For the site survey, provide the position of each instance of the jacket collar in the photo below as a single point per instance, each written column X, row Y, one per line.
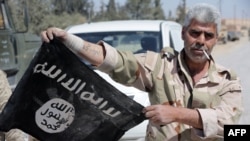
column 211, row 75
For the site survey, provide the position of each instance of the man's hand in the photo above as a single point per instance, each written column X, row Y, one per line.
column 160, row 114
column 51, row 33
column 165, row 114
column 74, row 43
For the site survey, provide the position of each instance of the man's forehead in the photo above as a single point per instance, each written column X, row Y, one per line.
column 202, row 26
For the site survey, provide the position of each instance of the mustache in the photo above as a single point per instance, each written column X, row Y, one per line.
column 199, row 46
column 203, row 48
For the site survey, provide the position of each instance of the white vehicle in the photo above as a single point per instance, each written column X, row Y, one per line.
column 137, row 36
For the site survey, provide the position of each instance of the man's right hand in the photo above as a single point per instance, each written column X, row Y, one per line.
column 52, row 32
column 74, row 43
column 94, row 53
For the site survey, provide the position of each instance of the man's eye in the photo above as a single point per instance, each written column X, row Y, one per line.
column 209, row 35
column 195, row 33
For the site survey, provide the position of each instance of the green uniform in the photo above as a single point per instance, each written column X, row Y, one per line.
column 217, row 96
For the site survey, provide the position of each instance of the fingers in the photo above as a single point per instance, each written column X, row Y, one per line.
column 149, row 111
column 51, row 33
column 45, row 37
column 149, row 114
column 152, row 115
column 148, row 108
column 157, row 114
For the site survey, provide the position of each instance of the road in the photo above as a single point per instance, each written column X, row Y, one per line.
column 236, row 55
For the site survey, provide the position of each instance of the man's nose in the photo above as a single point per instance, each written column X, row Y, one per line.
column 201, row 39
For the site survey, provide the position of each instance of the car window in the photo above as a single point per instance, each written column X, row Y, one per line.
column 131, row 41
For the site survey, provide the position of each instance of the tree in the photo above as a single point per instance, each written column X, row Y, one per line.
column 63, row 13
column 71, row 6
column 16, row 9
column 158, row 11
column 36, row 22
column 47, row 13
column 181, row 11
column 111, row 10
column 100, row 16
column 170, row 16
column 139, row 9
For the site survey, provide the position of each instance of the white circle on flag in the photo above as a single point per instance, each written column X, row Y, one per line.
column 55, row 115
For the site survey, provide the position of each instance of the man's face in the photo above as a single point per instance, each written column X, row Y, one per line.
column 198, row 37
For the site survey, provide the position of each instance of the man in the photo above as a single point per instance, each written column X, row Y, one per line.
column 5, row 93
column 192, row 97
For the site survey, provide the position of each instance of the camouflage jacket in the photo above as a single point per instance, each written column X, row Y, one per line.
column 217, row 96
column 5, row 93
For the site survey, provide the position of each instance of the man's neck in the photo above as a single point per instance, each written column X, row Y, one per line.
column 197, row 70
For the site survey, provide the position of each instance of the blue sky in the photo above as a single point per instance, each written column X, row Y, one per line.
column 229, row 8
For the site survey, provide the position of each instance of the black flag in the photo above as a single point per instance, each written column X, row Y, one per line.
column 59, row 98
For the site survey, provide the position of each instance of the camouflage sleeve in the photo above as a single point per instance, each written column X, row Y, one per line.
column 110, row 59
column 227, row 109
column 129, row 69
column 121, row 66
column 15, row 135
column 5, row 90
column 5, row 93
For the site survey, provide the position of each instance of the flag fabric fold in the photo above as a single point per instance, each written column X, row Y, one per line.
column 61, row 98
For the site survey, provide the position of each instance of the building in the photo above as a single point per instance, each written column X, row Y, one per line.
column 236, row 24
